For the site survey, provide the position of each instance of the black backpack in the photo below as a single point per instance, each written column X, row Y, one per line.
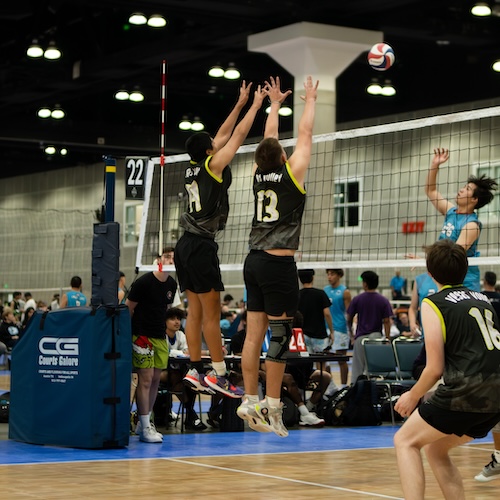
column 352, row 406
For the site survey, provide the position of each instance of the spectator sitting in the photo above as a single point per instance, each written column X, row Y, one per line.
column 27, row 316
column 173, row 375
column 9, row 329
column 75, row 297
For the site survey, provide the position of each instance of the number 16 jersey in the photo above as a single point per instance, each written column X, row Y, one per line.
column 278, row 207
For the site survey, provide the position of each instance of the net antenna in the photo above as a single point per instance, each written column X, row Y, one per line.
column 162, row 155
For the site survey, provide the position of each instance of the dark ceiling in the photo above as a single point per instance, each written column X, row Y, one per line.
column 444, row 56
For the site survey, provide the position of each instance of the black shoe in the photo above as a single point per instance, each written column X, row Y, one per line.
column 195, row 425
column 213, row 420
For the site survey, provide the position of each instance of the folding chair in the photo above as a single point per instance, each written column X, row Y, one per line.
column 406, row 351
column 381, row 367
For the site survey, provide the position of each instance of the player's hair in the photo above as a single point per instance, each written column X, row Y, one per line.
column 339, row 272
column 490, row 278
column 197, row 145
column 371, row 279
column 167, row 250
column 76, row 282
column 268, row 154
column 306, row 275
column 175, row 312
column 484, row 189
column 447, row 262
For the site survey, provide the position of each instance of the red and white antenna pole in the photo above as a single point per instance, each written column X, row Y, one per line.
column 162, row 154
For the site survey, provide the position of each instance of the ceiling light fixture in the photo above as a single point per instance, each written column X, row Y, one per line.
column 386, row 90
column 136, row 96
column 137, row 18
column 122, row 95
column 216, row 72
column 231, row 72
column 185, row 124
column 481, row 9
column 157, row 21
column 197, row 126
column 496, row 66
column 52, row 53
column 50, row 150
column 283, row 111
column 44, row 113
column 57, row 113
column 34, row 50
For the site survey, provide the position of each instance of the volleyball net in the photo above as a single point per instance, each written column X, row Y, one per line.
column 366, row 207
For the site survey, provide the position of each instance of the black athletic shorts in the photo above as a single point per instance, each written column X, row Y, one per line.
column 197, row 264
column 473, row 424
column 272, row 283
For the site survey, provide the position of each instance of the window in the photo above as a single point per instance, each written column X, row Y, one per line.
column 346, row 202
column 132, row 226
column 493, row 208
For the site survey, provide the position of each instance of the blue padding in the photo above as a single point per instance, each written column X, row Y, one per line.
column 64, row 368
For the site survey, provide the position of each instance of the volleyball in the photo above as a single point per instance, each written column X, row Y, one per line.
column 381, row 57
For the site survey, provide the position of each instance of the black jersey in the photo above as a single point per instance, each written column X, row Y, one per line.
column 278, row 208
column 153, row 298
column 472, row 351
column 208, row 205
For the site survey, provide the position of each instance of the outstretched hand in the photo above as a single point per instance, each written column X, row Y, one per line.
column 273, row 90
column 441, row 155
column 259, row 95
column 311, row 90
column 244, row 92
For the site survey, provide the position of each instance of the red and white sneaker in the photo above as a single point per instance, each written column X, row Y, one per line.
column 222, row 385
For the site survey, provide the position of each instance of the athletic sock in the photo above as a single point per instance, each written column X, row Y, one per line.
column 252, row 398
column 220, row 368
column 303, row 410
column 273, row 402
column 497, row 456
column 144, row 419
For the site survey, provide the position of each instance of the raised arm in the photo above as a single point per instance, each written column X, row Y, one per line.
column 224, row 155
column 299, row 160
column 442, row 205
column 413, row 310
column 276, row 97
column 226, row 129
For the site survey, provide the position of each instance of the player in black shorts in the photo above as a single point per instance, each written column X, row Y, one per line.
column 462, row 342
column 270, row 271
column 207, row 180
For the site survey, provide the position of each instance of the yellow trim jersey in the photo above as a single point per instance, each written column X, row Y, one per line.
column 208, row 205
column 279, row 202
column 471, row 336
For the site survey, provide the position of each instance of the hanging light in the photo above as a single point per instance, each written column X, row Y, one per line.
column 216, row 72
column 285, row 111
column 231, row 72
column 137, row 18
column 157, row 21
column 57, row 113
column 197, row 126
column 63, row 152
column 44, row 113
column 496, row 66
column 122, row 95
column 185, row 124
column 481, row 9
column 34, row 50
column 374, row 89
column 52, row 53
column 50, row 150
column 388, row 90
column 136, row 96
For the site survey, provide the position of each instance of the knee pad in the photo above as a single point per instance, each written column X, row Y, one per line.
column 281, row 332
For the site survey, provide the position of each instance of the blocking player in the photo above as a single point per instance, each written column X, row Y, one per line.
column 270, row 271
column 461, row 223
column 207, row 180
column 463, row 345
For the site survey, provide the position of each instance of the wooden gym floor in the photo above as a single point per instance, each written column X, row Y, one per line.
column 348, row 463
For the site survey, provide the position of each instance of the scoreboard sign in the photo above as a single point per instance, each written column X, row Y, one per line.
column 135, row 177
